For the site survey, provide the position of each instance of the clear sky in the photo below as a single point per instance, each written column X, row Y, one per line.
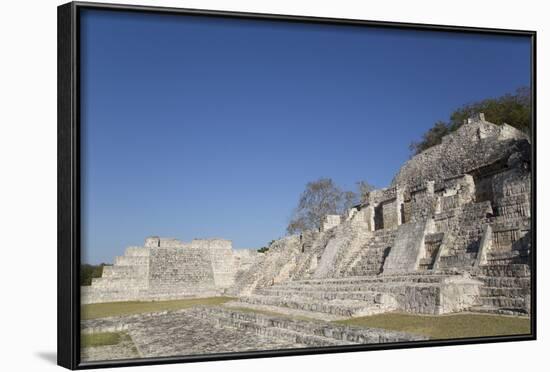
column 196, row 127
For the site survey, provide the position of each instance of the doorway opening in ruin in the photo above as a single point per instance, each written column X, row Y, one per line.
column 405, row 211
column 484, row 189
column 378, row 217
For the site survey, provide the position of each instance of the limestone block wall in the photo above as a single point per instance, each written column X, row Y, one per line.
column 276, row 266
column 312, row 247
column 221, row 259
column 159, row 242
column 512, row 193
column 390, row 216
column 166, row 268
column 126, row 280
column 451, row 294
column 459, row 294
column 351, row 242
column 473, row 145
column 181, row 271
column 243, row 259
column 383, row 208
column 423, row 201
column 408, row 247
column 330, row 221
column 465, row 234
column 370, row 258
column 454, row 192
column 343, row 238
column 470, row 192
column 509, row 242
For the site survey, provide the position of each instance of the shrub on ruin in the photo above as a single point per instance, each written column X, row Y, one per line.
column 513, row 109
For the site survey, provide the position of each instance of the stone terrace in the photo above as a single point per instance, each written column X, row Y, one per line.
column 204, row 330
column 339, row 298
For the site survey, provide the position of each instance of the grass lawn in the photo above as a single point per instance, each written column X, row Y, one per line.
column 103, row 339
column 103, row 310
column 446, row 326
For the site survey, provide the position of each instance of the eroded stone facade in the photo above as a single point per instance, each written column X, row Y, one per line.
column 166, row 268
column 451, row 233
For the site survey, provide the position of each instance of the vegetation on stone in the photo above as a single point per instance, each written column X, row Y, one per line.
column 450, row 326
column 320, row 198
column 88, row 272
column 513, row 109
column 266, row 248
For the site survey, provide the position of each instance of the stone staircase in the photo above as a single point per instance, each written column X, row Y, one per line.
column 506, row 289
column 337, row 298
column 126, row 279
column 432, row 243
column 463, row 251
column 306, row 332
column 283, row 255
column 345, row 235
column 312, row 248
column 370, row 259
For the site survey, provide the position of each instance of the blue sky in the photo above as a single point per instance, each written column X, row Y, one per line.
column 197, row 127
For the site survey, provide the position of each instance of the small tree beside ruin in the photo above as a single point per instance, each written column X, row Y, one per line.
column 322, row 197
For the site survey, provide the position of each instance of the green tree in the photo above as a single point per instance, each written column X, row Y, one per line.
column 88, row 272
column 266, row 248
column 513, row 109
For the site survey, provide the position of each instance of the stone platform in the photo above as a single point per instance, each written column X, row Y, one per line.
column 340, row 298
column 206, row 330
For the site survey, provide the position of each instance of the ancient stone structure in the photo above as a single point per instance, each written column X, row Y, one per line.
column 167, row 268
column 451, row 233
column 204, row 330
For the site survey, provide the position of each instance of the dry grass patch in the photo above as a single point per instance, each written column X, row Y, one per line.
column 103, row 339
column 454, row 326
column 103, row 310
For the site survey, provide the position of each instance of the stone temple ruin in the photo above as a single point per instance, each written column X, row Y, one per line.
column 451, row 233
column 166, row 268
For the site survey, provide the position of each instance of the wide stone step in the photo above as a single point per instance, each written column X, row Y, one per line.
column 134, row 271
column 462, row 259
column 503, row 291
column 506, row 282
column 372, row 287
column 311, row 333
column 119, row 283
column 409, row 278
column 291, row 335
column 357, row 270
column 321, row 295
column 517, row 270
column 344, row 308
column 503, row 302
column 137, row 252
column 352, row 285
column 131, row 260
column 500, row 311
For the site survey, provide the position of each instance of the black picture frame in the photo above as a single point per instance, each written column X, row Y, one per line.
column 69, row 198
